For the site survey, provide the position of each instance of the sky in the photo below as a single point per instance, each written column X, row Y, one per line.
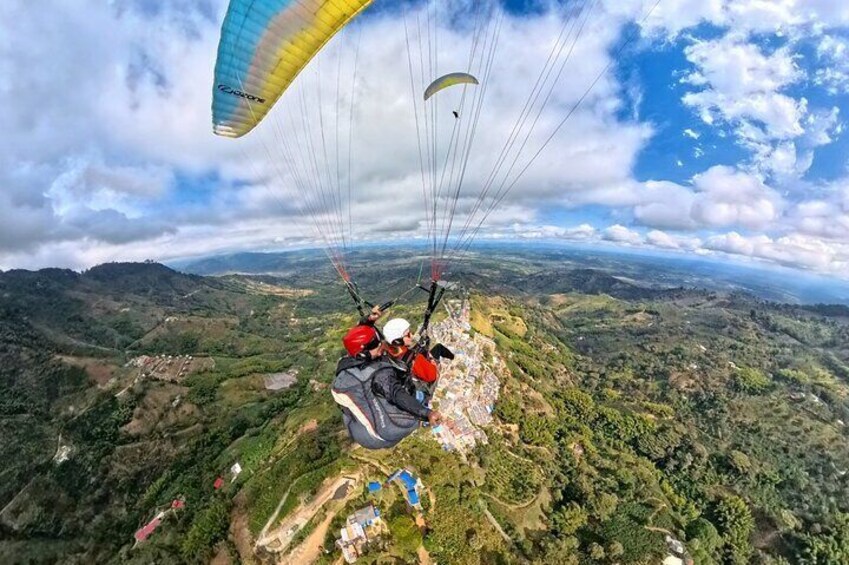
column 708, row 127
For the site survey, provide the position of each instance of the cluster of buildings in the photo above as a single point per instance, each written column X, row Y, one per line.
column 361, row 528
column 171, row 368
column 468, row 385
column 365, row 525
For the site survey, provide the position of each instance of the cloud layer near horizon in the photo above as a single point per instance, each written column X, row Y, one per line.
column 108, row 153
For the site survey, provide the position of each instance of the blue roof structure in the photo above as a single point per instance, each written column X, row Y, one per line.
column 413, row 497
column 408, row 480
column 374, row 486
column 409, row 483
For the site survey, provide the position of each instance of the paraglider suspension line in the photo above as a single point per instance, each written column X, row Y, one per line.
column 435, row 293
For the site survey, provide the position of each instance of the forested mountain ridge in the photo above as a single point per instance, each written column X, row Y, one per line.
column 738, row 404
column 65, row 340
column 628, row 413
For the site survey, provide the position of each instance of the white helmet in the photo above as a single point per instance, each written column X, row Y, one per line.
column 395, row 329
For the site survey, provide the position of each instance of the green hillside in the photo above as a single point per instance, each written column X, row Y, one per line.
column 626, row 414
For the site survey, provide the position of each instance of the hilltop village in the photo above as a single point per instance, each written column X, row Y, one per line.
column 468, row 386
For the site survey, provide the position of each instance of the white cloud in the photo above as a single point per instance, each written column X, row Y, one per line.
column 661, row 239
column 734, row 243
column 766, row 15
column 665, row 205
column 741, row 85
column 739, row 82
column 728, row 197
column 786, row 17
column 782, row 159
column 65, row 173
column 822, row 126
column 670, row 18
column 111, row 147
column 620, row 234
column 826, row 218
column 787, row 160
column 580, row 232
column 108, row 153
column 583, row 231
column 812, row 234
column 665, row 240
column 795, row 250
column 720, row 197
column 833, row 54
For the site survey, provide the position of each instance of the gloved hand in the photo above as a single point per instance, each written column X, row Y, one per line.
column 376, row 313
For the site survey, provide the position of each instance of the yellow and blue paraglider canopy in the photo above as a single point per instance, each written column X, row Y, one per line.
column 264, row 45
column 451, row 79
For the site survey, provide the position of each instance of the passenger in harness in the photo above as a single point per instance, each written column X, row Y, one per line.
column 372, row 389
column 421, row 364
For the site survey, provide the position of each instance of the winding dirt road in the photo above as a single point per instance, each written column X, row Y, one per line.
column 277, row 540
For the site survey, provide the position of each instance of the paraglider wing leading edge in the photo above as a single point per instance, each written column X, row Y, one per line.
column 264, row 45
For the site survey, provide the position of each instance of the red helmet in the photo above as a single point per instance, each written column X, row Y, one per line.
column 360, row 339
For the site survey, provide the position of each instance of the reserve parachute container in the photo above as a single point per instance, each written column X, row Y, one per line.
column 372, row 421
